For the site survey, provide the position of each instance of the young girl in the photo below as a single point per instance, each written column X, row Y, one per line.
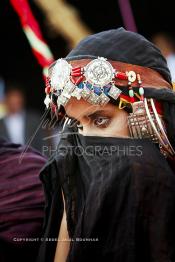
column 110, row 187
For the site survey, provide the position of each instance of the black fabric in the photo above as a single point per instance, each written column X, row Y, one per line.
column 120, row 192
column 124, row 46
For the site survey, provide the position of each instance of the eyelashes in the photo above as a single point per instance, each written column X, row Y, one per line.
column 101, row 121
column 98, row 121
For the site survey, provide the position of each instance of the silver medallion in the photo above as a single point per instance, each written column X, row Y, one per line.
column 60, row 74
column 114, row 92
column 99, row 72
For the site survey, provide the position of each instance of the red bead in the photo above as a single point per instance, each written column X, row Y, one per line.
column 121, row 76
column 76, row 74
column 73, row 80
column 47, row 90
column 75, row 69
column 79, row 80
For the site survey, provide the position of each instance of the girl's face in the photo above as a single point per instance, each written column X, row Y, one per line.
column 96, row 120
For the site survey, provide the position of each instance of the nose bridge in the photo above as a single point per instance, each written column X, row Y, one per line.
column 87, row 129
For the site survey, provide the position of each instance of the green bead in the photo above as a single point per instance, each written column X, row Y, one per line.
column 141, row 91
column 131, row 93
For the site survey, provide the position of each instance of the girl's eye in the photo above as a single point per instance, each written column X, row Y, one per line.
column 101, row 121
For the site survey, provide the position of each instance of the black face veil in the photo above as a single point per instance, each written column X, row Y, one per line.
column 118, row 193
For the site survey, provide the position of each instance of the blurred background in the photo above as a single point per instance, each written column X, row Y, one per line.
column 63, row 24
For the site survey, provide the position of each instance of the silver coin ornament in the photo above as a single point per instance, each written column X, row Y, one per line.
column 99, row 72
column 60, row 74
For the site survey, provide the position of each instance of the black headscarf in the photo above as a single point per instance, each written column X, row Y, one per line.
column 124, row 46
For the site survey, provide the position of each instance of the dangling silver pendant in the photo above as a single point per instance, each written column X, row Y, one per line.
column 77, row 93
column 114, row 92
column 104, row 99
column 94, row 99
column 62, row 100
column 139, row 124
column 85, row 93
column 47, row 101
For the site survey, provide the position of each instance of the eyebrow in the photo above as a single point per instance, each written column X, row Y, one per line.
column 96, row 113
column 91, row 115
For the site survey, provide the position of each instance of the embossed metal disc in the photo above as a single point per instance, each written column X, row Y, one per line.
column 60, row 73
column 99, row 72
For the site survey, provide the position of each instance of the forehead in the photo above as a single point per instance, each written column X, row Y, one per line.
column 79, row 108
